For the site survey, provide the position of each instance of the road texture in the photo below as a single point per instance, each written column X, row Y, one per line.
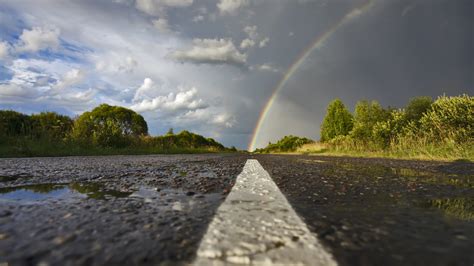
column 148, row 210
column 380, row 211
column 118, row 210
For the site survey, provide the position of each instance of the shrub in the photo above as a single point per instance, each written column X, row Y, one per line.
column 449, row 118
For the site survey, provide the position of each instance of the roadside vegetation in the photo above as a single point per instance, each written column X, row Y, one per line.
column 106, row 130
column 425, row 129
column 286, row 144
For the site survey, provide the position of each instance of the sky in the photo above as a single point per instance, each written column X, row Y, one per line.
column 244, row 72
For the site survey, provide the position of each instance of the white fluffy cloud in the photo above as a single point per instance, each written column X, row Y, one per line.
column 15, row 90
column 157, row 7
column 4, row 50
column 145, row 90
column 231, row 6
column 72, row 77
column 181, row 101
column 211, row 51
column 37, row 39
column 247, row 43
column 253, row 38
column 221, row 119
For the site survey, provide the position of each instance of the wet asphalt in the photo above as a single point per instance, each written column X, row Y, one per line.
column 148, row 210
column 118, row 210
column 380, row 211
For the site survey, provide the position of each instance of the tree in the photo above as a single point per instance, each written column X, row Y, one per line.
column 14, row 124
column 170, row 131
column 366, row 115
column 109, row 126
column 51, row 125
column 416, row 107
column 338, row 121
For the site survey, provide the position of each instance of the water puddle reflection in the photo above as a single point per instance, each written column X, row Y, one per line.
column 42, row 192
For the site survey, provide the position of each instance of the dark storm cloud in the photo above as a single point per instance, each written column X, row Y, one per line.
column 398, row 50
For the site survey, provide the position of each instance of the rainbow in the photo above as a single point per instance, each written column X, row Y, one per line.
column 317, row 43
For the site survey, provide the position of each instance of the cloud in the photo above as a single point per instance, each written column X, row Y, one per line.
column 231, row 6
column 211, row 51
column 263, row 42
column 251, row 32
column 253, row 38
column 182, row 101
column 247, row 43
column 162, row 25
column 144, row 90
column 117, row 63
column 4, row 50
column 72, row 77
column 38, row 39
column 221, row 119
column 157, row 7
column 16, row 90
column 267, row 68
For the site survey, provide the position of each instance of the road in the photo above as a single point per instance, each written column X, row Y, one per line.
column 177, row 209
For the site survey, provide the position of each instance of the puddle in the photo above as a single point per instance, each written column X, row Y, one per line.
column 385, row 172
column 42, row 192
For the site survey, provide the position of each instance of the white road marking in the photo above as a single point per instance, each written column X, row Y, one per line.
column 256, row 225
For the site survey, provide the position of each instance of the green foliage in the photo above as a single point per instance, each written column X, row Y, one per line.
column 366, row 115
column 14, row 124
column 109, row 126
column 182, row 139
column 424, row 129
column 286, row 144
column 450, row 118
column 51, row 125
column 337, row 122
column 417, row 107
column 106, row 130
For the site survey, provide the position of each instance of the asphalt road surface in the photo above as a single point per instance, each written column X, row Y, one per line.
column 148, row 210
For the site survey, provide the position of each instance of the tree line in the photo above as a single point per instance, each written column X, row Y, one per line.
column 424, row 128
column 109, row 127
column 446, row 123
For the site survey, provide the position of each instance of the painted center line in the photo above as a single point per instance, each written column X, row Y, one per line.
column 256, row 225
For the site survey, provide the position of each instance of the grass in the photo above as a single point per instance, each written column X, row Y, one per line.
column 422, row 152
column 49, row 149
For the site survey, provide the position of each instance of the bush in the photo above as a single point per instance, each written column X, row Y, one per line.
column 286, row 144
column 51, row 125
column 449, row 118
column 417, row 107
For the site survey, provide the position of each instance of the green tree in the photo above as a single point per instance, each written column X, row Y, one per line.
column 366, row 115
column 417, row 106
column 338, row 121
column 109, row 126
column 51, row 125
column 14, row 124
column 170, row 131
